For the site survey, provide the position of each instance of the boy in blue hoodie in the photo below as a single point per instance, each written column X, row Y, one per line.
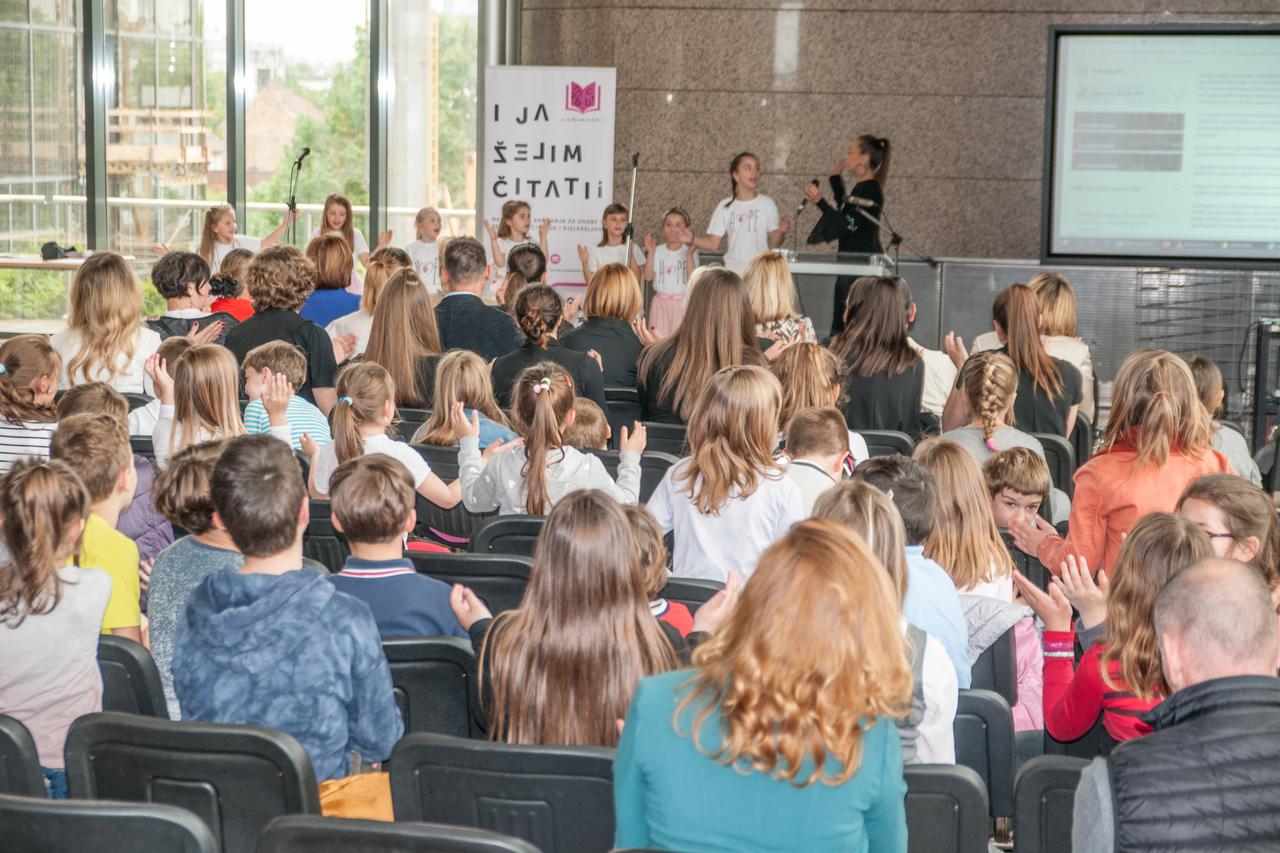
column 276, row 645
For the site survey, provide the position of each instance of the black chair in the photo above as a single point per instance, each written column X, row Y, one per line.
column 70, row 826
column 508, row 534
column 1096, row 742
column 307, row 834
column 885, row 442
column 558, row 798
column 946, row 809
column 499, row 579
column 130, row 679
column 235, row 778
column 691, row 592
column 653, row 467
column 1061, row 459
column 983, row 731
column 434, row 679
column 624, row 410
column 1044, row 799
column 667, row 438
column 142, row 445
column 1082, row 438
column 321, row 541
column 20, row 772
column 137, row 401
column 453, row 526
column 409, row 420
column 1028, row 564
column 996, row 669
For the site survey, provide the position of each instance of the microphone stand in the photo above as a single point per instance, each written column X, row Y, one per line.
column 631, row 207
column 294, row 173
column 896, row 239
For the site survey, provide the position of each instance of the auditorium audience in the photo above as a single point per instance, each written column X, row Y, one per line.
column 728, row 500
column 182, row 278
column 818, row 446
column 277, row 645
column 105, row 339
column 532, row 477
column 1240, row 520
column 716, row 332
column 1226, row 440
column 614, row 327
column 1157, row 441
column 404, row 339
column 926, row 733
column 810, row 377
column 463, row 377
column 50, row 611
column 464, row 321
column 526, row 265
column 793, row 728
column 29, row 369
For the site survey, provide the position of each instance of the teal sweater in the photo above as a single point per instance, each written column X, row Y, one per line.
column 668, row 795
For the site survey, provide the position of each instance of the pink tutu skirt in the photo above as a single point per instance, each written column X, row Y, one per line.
column 665, row 312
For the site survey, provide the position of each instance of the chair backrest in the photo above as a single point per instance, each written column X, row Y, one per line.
column 1061, row 459
column 130, row 678
column 20, row 772
column 81, row 826
column 667, row 438
column 410, row 420
column 499, row 579
column 996, row 669
column 946, row 809
column 434, row 682
column 1082, row 437
column 1044, row 799
column 1028, row 564
column 142, row 446
column 556, row 797
column 508, row 534
column 983, row 731
column 457, row 524
column 624, row 410
column 887, row 442
column 137, row 401
column 653, row 467
column 235, row 778
column 1092, row 744
column 691, row 592
column 321, row 541
column 308, row 834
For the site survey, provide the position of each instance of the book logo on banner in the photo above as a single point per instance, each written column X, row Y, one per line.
column 582, row 99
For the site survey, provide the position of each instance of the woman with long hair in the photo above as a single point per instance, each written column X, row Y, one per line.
column 382, row 265
column 717, row 331
column 463, row 377
column 793, row 728
column 772, row 295
column 404, row 339
column 614, row 327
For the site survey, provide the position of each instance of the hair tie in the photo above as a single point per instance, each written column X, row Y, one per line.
column 991, row 445
column 543, row 384
column 346, row 400
column 3, row 369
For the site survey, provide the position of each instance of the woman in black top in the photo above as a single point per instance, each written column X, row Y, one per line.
column 884, row 375
column 538, row 311
column 845, row 222
column 612, row 304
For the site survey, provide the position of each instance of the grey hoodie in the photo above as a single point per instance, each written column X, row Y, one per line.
column 500, row 483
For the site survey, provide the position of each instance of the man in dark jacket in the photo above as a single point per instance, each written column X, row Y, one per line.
column 182, row 278
column 465, row 321
column 1208, row 777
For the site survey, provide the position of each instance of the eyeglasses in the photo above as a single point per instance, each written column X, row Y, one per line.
column 1218, row 535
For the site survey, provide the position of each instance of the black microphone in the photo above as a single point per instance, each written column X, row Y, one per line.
column 861, row 202
column 302, row 156
column 805, row 202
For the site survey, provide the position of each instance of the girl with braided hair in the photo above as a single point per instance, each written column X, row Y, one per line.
column 989, row 382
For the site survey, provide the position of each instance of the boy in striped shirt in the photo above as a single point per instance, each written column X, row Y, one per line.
column 284, row 358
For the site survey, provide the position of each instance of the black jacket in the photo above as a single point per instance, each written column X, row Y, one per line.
column 171, row 327
column 582, row 369
column 1208, row 777
column 617, row 344
column 465, row 322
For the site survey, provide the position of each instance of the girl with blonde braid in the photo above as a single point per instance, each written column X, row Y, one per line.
column 989, row 382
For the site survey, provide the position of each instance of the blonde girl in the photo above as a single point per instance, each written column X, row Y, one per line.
column 1158, row 439
column 359, row 322
column 199, row 400
column 105, row 339
column 728, row 500
column 669, row 266
column 50, row 611
column 989, row 382
column 361, row 423
column 218, row 235
column 404, row 339
column 772, row 295
column 612, row 247
column 532, row 477
column 513, row 228
column 29, row 369
column 425, row 248
column 810, row 378
column 462, row 376
column 748, row 219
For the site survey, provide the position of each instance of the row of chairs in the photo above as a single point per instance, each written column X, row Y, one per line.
column 238, row 779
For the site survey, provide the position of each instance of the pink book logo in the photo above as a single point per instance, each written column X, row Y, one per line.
column 582, row 99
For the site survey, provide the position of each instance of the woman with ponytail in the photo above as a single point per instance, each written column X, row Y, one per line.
column 361, row 423
column 50, row 611
column 538, row 311
column 533, row 477
column 29, row 369
column 1158, row 440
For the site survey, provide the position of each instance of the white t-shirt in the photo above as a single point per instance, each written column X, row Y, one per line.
column 1000, row 588
column 426, row 263
column 327, row 461
column 671, row 270
column 746, row 226
column 936, row 743
column 128, row 375
column 598, row 256
column 358, row 249
column 357, row 323
column 240, row 241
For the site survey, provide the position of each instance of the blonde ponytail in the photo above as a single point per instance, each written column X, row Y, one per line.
column 363, row 390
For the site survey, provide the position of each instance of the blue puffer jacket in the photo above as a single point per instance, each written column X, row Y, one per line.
column 148, row 529
column 288, row 652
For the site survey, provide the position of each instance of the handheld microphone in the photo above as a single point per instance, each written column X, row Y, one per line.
column 302, row 156
column 860, row 201
column 805, row 201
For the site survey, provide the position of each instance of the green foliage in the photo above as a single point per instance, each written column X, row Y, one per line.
column 458, row 89
column 33, row 294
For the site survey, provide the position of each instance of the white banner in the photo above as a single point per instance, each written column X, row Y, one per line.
column 548, row 141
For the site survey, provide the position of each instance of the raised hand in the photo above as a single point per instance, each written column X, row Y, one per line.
column 158, row 369
column 713, row 614
column 490, row 230
column 649, row 244
column 344, row 346
column 464, row 427
column 954, row 347
column 1088, row 597
column 276, row 394
column 308, row 446
column 583, row 254
column 637, row 439
column 384, row 239
column 647, row 334
column 1052, row 607
column 207, row 335
column 468, row 609
column 544, row 228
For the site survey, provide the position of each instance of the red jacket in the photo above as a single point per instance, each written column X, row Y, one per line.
column 1073, row 700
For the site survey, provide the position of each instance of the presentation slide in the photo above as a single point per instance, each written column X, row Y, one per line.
column 1166, row 145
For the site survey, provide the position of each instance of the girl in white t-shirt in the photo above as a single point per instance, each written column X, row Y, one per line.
column 669, row 266
column 612, row 247
column 425, row 250
column 338, row 218
column 361, row 423
column 513, row 229
column 218, row 237
column 748, row 219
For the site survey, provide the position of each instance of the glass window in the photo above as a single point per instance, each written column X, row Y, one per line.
column 307, row 79
column 431, row 157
